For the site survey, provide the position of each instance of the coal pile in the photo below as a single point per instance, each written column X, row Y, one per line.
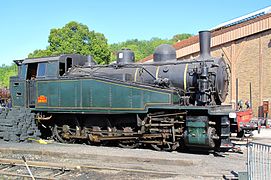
column 18, row 124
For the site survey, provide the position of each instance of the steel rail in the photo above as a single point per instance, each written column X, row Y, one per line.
column 86, row 168
column 24, row 175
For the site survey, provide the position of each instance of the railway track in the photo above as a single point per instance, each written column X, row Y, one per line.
column 40, row 170
column 63, row 161
column 15, row 168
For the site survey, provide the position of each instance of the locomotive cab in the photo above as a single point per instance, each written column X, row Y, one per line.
column 23, row 86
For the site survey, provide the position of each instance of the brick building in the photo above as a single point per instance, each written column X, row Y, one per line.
column 246, row 46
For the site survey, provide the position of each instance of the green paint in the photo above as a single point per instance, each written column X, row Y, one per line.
column 91, row 94
column 18, row 94
column 197, row 135
column 196, row 124
column 197, row 131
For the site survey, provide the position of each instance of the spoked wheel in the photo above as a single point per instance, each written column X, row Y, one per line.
column 164, row 147
column 58, row 135
column 128, row 144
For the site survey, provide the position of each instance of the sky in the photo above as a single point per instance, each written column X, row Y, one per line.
column 25, row 25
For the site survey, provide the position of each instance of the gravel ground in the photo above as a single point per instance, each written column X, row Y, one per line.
column 181, row 165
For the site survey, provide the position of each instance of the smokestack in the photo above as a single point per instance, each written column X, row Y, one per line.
column 90, row 62
column 205, row 44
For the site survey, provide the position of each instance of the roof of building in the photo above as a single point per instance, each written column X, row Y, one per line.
column 215, row 32
column 244, row 18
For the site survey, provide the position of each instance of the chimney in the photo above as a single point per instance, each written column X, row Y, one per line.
column 205, row 45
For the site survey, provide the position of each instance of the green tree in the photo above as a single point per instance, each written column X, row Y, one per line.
column 180, row 37
column 40, row 53
column 5, row 73
column 141, row 48
column 144, row 48
column 76, row 38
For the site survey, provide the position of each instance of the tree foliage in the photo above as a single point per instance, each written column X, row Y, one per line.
column 144, row 48
column 5, row 73
column 76, row 38
column 141, row 48
column 180, row 37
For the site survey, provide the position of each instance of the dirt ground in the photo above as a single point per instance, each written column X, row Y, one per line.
column 170, row 165
column 264, row 136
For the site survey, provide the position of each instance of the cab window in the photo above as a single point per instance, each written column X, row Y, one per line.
column 32, row 71
column 41, row 69
column 23, row 71
column 68, row 64
column 61, row 68
column 65, row 66
column 52, row 69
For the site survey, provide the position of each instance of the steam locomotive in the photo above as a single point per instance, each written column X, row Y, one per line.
column 164, row 104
